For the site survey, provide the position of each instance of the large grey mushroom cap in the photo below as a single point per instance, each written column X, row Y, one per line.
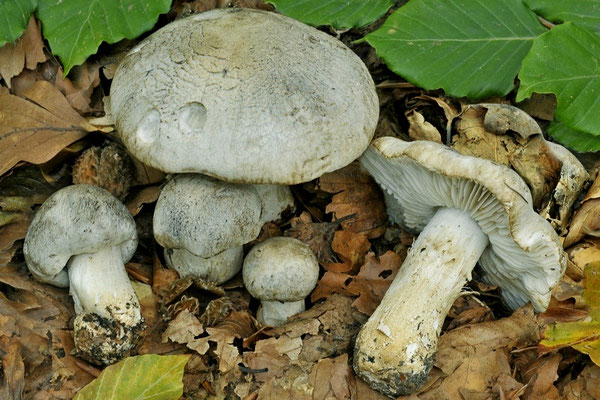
column 75, row 220
column 525, row 257
column 244, row 96
column 205, row 216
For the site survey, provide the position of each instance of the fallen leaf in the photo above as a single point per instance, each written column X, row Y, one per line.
column 355, row 193
column 37, row 128
column 146, row 195
column 540, row 105
column 586, row 220
column 585, row 387
column 583, row 336
column 332, row 378
column 79, row 85
column 183, row 329
column 141, row 377
column 483, row 132
column 419, row 129
column 370, row 284
column 318, row 236
column 351, row 248
column 541, row 385
column 13, row 368
column 27, row 51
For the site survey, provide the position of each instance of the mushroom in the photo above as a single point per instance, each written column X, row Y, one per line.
column 275, row 200
column 280, row 272
column 91, row 233
column 246, row 96
column 203, row 223
column 466, row 210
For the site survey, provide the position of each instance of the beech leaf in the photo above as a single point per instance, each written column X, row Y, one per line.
column 148, row 376
column 575, row 80
column 470, row 48
column 16, row 15
column 341, row 14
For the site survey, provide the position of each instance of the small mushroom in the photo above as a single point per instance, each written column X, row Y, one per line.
column 245, row 96
column 203, row 223
column 88, row 231
column 280, row 272
column 466, row 209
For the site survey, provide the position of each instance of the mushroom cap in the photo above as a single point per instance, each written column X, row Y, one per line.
column 76, row 219
column 205, row 216
column 280, row 268
column 525, row 257
column 244, row 96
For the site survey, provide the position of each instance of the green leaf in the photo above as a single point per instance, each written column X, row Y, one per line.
column 572, row 138
column 341, row 14
column 584, row 12
column 470, row 48
column 583, row 336
column 142, row 377
column 566, row 61
column 14, row 16
column 75, row 28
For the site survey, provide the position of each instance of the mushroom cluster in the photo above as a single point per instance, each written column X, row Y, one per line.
column 465, row 210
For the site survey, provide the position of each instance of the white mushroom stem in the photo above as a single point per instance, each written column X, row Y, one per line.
column 99, row 285
column 394, row 350
column 276, row 313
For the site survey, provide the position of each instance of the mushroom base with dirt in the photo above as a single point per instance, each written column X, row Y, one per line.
column 109, row 319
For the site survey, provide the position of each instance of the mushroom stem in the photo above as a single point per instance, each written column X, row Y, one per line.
column 276, row 313
column 99, row 284
column 395, row 349
column 109, row 319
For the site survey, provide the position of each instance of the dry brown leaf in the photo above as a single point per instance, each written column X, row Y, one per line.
column 332, row 378
column 541, row 385
column 419, row 129
column 144, row 196
column 540, row 105
column 355, row 193
column 36, row 129
column 318, row 236
column 370, row 284
column 481, row 133
column 586, row 220
column 183, row 329
column 351, row 248
column 13, row 368
column 80, row 84
column 27, row 51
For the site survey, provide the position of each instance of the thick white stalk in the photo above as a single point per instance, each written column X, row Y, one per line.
column 99, row 284
column 108, row 318
column 276, row 313
column 395, row 349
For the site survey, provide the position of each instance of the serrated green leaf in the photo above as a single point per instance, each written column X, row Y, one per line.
column 572, row 138
column 470, row 48
column 583, row 336
column 75, row 28
column 142, row 377
column 341, row 14
column 14, row 16
column 566, row 61
column 584, row 12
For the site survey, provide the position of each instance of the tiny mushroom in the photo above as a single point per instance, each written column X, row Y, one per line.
column 245, row 96
column 203, row 223
column 280, row 272
column 80, row 238
column 466, row 210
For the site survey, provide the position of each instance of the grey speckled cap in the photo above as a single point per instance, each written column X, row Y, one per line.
column 75, row 220
column 205, row 216
column 245, row 96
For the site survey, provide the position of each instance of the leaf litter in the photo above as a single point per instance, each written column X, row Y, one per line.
column 483, row 352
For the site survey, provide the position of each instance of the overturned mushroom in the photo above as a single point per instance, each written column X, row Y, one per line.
column 466, row 210
column 280, row 272
column 80, row 238
column 245, row 96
